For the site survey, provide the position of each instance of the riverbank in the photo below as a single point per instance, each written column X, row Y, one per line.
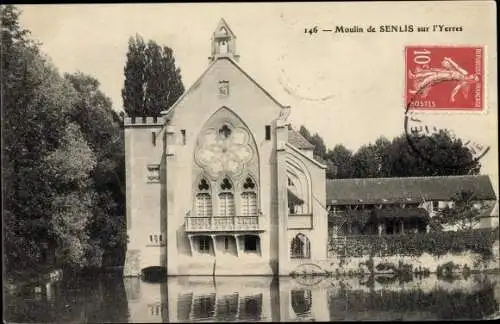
column 446, row 265
column 38, row 279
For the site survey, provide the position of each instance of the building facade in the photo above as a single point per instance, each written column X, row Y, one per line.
column 221, row 184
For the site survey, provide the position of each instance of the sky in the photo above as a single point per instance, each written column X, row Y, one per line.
column 349, row 88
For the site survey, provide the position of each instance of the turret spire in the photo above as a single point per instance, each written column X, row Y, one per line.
column 223, row 42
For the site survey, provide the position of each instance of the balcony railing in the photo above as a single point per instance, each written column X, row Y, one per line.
column 224, row 223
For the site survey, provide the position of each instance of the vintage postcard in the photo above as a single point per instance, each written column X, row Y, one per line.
column 252, row 162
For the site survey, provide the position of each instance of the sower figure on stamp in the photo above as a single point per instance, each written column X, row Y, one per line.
column 451, row 71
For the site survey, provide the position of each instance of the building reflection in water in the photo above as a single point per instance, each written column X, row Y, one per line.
column 264, row 299
column 219, row 299
column 253, row 299
column 112, row 299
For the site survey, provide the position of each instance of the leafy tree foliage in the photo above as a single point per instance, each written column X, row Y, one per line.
column 100, row 125
column 152, row 81
column 435, row 155
column 316, row 140
column 58, row 138
column 465, row 215
column 341, row 162
column 68, row 171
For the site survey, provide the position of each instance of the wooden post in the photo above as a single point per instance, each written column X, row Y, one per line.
column 190, row 237
column 236, row 239
column 214, row 244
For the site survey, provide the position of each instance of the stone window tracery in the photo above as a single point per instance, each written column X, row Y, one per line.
column 249, row 198
column 226, row 198
column 224, row 149
column 203, row 199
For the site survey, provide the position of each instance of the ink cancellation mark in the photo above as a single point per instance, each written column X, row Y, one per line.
column 419, row 127
column 444, row 78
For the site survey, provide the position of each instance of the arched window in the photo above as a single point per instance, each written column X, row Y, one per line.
column 301, row 301
column 300, row 247
column 223, row 46
column 226, row 198
column 297, row 193
column 249, row 198
column 203, row 200
column 300, row 185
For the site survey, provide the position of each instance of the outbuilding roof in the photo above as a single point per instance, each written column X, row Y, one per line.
column 296, row 139
column 364, row 216
column 405, row 190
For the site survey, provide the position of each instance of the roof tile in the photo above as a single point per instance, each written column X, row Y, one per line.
column 296, row 139
column 405, row 190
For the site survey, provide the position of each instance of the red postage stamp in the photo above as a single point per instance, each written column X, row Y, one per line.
column 444, row 78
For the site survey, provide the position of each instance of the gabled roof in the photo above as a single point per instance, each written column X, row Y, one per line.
column 168, row 113
column 223, row 23
column 405, row 190
column 296, row 139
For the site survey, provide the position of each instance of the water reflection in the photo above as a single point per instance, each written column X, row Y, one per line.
column 253, row 299
column 221, row 299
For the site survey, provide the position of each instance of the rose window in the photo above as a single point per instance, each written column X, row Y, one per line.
column 224, row 150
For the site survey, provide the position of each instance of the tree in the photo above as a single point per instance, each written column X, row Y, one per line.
column 305, row 132
column 52, row 135
column 341, row 158
column 464, row 214
column 36, row 103
column 438, row 154
column 68, row 169
column 318, row 142
column 371, row 161
column 100, row 125
column 12, row 32
column 319, row 146
column 435, row 155
column 381, row 148
column 364, row 162
column 152, row 81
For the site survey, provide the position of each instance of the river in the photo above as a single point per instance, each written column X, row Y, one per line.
column 111, row 298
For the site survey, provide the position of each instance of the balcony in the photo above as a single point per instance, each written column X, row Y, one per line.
column 223, row 224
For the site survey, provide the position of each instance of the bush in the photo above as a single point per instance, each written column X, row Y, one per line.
column 386, row 267
column 435, row 243
column 446, row 270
